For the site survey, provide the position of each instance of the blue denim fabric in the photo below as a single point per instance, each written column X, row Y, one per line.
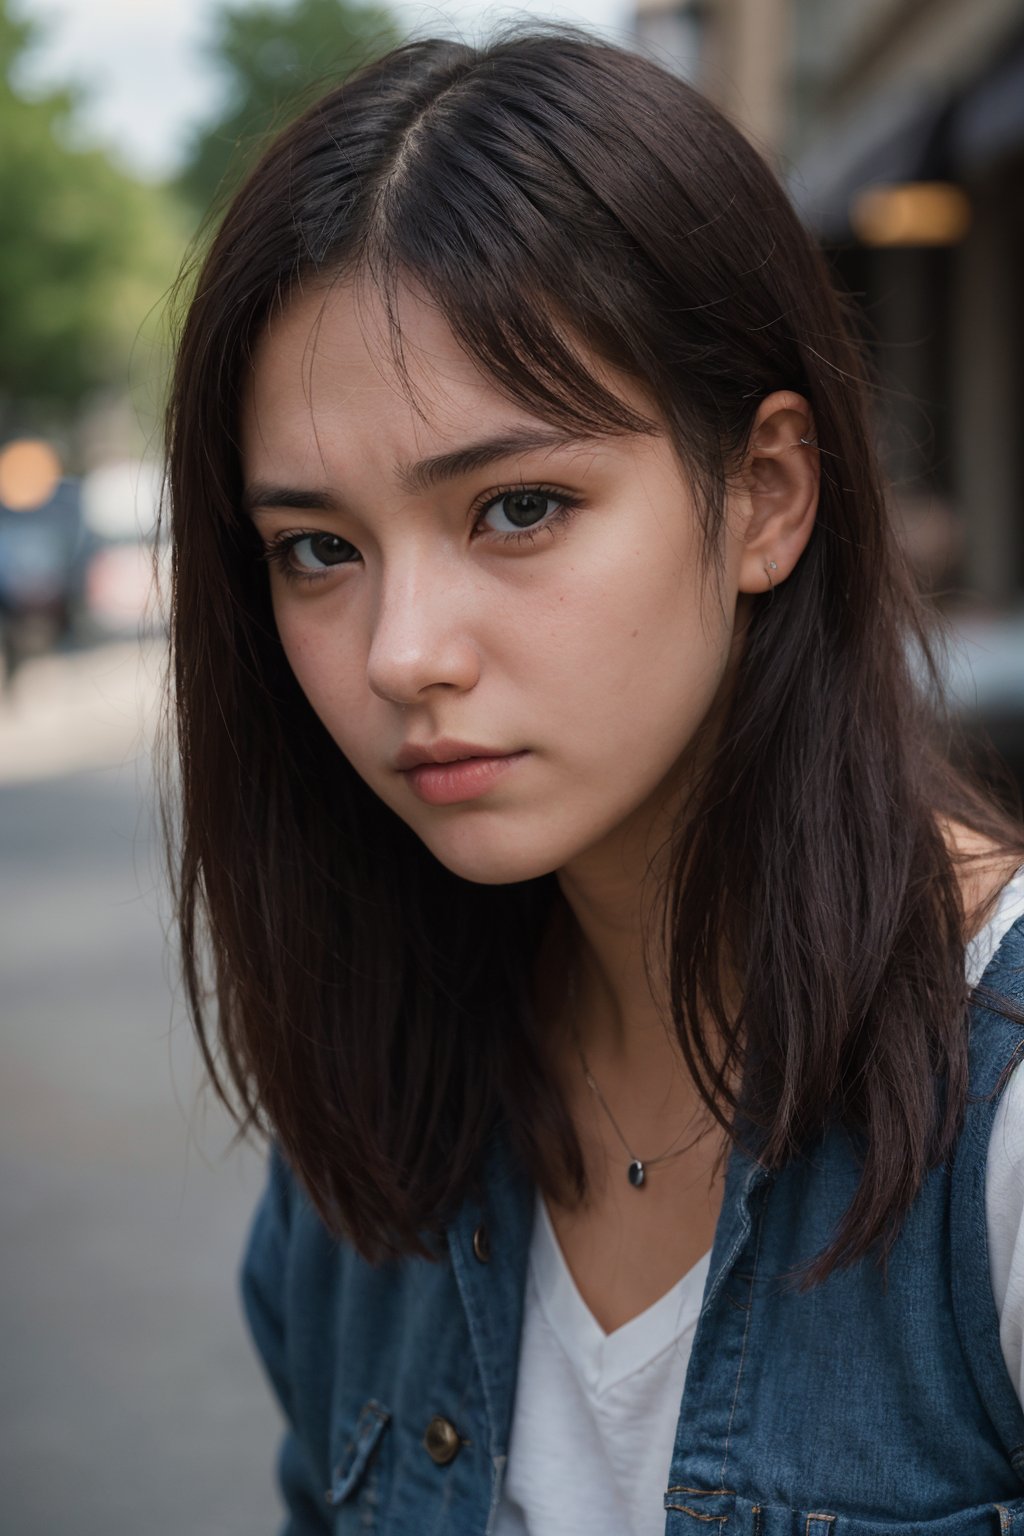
column 856, row 1409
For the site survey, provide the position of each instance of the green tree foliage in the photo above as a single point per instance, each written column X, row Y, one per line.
column 86, row 253
column 277, row 56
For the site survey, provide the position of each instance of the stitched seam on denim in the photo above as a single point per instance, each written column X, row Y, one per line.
column 996, row 1392
column 684, row 1509
column 478, row 1339
column 1011, row 1066
column 441, row 1523
column 704, row 1493
column 824, row 1519
column 499, row 1465
column 369, row 1501
column 370, row 1409
column 743, row 1347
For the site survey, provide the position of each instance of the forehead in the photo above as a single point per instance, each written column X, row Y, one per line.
column 332, row 357
column 333, row 367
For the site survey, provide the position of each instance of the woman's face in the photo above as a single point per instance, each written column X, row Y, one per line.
column 467, row 573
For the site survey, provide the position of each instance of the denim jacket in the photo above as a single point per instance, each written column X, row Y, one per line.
column 858, row 1408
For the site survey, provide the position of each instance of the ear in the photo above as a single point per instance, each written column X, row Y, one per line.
column 775, row 497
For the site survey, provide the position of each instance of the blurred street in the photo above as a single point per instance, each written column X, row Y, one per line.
column 130, row 1398
column 131, row 1401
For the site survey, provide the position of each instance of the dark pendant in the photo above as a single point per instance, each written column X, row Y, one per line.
column 636, row 1173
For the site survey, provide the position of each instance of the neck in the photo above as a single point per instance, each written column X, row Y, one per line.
column 613, row 1045
column 621, row 1005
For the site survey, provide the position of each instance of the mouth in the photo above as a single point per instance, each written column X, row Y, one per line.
column 444, row 750
column 457, row 779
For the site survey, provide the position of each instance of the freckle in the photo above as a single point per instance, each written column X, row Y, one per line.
column 634, row 634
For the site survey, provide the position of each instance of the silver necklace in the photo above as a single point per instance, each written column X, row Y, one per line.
column 636, row 1172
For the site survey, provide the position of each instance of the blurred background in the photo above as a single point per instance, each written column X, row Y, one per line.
column 129, row 1396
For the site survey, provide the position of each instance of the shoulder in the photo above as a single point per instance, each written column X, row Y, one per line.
column 281, row 1212
column 287, row 1255
column 997, row 1083
column 1006, row 1144
column 303, row 1283
column 994, row 1125
column 1004, row 1220
column 995, row 975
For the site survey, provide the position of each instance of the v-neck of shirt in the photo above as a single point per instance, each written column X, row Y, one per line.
column 603, row 1360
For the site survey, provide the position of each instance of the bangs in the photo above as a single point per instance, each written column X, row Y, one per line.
column 460, row 226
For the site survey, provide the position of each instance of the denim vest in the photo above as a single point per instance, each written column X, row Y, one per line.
column 854, row 1409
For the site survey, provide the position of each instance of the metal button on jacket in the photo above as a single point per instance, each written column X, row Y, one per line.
column 482, row 1244
column 442, row 1440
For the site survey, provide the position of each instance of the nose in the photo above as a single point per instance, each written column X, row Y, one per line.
column 422, row 635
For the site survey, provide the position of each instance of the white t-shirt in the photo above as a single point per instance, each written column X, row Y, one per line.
column 595, row 1413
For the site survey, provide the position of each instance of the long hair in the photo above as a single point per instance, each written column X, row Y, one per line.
column 548, row 190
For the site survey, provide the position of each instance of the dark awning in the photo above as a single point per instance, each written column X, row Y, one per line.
column 989, row 120
column 901, row 139
column 910, row 136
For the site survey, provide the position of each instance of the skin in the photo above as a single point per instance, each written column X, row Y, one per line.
column 599, row 646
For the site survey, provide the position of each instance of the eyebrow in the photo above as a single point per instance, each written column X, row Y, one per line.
column 421, row 476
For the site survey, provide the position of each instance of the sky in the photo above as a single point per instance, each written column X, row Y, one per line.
column 148, row 81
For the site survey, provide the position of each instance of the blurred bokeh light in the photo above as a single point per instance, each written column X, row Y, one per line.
column 30, row 472
column 916, row 213
column 898, row 126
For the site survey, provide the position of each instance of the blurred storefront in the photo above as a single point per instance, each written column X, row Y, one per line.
column 76, row 554
column 901, row 100
column 898, row 126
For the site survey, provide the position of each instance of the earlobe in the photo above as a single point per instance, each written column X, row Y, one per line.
column 782, row 476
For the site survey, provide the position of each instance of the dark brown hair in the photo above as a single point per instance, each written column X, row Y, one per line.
column 549, row 190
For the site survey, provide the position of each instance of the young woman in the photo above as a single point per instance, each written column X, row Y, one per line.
column 628, row 985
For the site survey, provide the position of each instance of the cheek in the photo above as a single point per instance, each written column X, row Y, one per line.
column 639, row 652
column 332, row 679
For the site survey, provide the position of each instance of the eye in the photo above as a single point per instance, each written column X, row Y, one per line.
column 308, row 555
column 312, row 551
column 518, row 513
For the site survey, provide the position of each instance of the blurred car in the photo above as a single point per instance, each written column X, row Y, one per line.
column 120, row 502
column 42, row 566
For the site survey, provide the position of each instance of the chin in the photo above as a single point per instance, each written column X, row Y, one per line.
column 487, row 860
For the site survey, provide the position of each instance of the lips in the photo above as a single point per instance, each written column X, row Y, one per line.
column 444, row 750
column 454, row 781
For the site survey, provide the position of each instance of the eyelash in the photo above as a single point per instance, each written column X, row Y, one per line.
column 278, row 550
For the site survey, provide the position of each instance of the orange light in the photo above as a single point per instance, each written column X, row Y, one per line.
column 911, row 213
column 29, row 474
